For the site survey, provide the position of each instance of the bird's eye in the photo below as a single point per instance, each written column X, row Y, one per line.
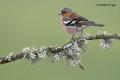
column 63, row 12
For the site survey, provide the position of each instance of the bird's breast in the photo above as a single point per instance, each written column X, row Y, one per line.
column 70, row 29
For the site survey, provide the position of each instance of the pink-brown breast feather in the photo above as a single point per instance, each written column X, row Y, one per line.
column 69, row 29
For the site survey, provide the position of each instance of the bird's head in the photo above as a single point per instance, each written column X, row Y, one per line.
column 65, row 12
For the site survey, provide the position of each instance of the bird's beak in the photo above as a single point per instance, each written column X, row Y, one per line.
column 59, row 14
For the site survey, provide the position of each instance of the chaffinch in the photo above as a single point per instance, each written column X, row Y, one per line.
column 74, row 23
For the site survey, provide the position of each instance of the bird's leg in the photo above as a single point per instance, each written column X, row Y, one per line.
column 72, row 38
column 81, row 31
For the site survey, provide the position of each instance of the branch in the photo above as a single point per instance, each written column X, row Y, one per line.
column 69, row 52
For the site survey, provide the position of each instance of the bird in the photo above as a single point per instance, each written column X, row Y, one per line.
column 74, row 23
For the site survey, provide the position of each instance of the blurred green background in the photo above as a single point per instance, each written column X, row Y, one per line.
column 35, row 23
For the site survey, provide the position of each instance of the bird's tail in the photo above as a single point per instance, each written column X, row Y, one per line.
column 91, row 23
column 99, row 25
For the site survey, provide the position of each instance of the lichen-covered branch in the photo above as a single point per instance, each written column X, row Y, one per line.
column 69, row 52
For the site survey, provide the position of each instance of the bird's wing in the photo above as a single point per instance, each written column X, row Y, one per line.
column 76, row 21
column 79, row 21
column 69, row 22
column 80, row 18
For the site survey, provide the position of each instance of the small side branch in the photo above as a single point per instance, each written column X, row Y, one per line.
column 103, row 36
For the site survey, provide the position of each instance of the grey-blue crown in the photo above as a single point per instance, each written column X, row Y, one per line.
column 67, row 10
